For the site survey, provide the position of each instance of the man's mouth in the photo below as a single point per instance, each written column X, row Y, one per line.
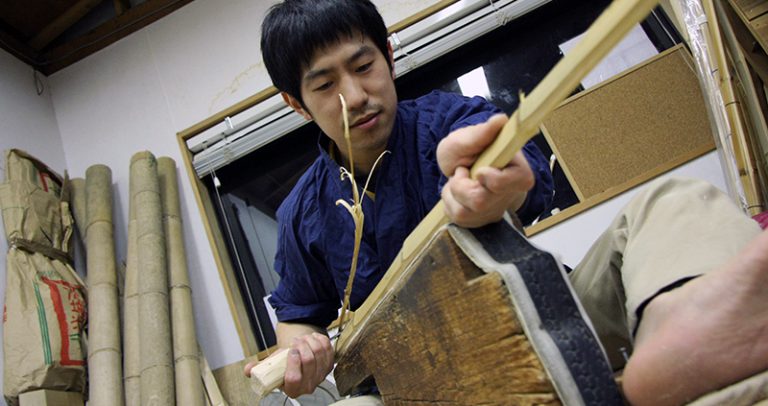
column 366, row 121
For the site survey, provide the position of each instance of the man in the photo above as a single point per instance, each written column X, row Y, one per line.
column 316, row 50
column 341, row 48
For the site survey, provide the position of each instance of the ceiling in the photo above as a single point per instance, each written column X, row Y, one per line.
column 52, row 34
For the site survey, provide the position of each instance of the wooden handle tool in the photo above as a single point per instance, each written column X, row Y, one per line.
column 268, row 374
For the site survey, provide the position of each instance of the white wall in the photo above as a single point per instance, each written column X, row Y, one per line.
column 27, row 122
column 139, row 92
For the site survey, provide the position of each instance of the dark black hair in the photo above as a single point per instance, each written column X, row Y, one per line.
column 294, row 30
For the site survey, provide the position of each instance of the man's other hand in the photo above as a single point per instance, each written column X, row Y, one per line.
column 310, row 360
column 483, row 200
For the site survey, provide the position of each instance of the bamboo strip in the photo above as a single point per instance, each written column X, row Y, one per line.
column 157, row 382
column 756, row 117
column 189, row 387
column 599, row 39
column 747, row 171
column 131, row 337
column 214, row 396
column 104, row 352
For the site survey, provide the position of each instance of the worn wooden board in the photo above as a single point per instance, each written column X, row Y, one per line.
column 449, row 335
column 627, row 127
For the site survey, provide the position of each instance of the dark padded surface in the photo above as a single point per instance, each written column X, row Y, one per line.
column 557, row 309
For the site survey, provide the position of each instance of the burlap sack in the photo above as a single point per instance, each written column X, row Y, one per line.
column 45, row 309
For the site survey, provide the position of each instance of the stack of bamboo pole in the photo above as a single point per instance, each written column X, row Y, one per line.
column 159, row 361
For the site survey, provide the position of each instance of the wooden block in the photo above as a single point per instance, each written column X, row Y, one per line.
column 450, row 326
column 45, row 397
column 628, row 130
column 451, row 334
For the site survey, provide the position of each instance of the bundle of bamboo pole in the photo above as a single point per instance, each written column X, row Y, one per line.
column 159, row 361
column 104, row 355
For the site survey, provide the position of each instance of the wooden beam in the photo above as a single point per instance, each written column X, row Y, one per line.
column 20, row 50
column 111, row 31
column 62, row 22
column 121, row 6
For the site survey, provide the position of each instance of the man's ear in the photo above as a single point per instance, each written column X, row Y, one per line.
column 391, row 55
column 295, row 105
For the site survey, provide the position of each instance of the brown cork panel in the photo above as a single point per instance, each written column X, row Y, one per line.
column 628, row 127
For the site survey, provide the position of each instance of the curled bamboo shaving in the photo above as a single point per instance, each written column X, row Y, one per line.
column 355, row 209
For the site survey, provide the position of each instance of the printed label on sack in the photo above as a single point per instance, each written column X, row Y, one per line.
column 70, row 311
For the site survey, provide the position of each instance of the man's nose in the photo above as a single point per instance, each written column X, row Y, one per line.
column 354, row 94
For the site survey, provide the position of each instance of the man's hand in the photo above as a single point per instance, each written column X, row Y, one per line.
column 310, row 360
column 477, row 202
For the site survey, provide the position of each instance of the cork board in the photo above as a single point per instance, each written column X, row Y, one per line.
column 626, row 130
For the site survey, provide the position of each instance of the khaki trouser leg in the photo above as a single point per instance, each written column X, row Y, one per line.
column 673, row 230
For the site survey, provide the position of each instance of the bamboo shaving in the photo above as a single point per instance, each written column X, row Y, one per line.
column 355, row 209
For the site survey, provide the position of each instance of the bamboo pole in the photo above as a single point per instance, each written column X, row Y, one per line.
column 758, row 136
column 752, row 82
column 189, row 388
column 599, row 39
column 131, row 335
column 157, row 382
column 104, row 352
column 78, row 205
column 742, row 152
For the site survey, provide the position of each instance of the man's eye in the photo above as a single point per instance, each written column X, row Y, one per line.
column 324, row 86
column 365, row 67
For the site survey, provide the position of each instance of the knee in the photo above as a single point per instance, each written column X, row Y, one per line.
column 680, row 189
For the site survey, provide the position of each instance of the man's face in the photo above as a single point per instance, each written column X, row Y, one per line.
column 355, row 68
